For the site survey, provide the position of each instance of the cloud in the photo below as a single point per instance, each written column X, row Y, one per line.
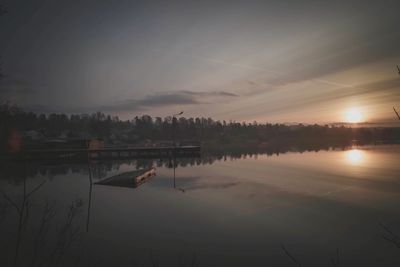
column 214, row 93
column 384, row 90
column 168, row 99
column 150, row 101
column 155, row 100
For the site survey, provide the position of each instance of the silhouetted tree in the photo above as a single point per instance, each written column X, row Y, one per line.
column 206, row 130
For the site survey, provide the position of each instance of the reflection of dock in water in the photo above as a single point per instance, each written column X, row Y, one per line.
column 129, row 179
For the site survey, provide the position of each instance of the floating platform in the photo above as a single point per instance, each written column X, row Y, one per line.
column 131, row 179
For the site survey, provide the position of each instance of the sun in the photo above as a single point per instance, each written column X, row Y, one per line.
column 354, row 115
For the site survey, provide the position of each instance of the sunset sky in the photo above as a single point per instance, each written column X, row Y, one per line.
column 270, row 61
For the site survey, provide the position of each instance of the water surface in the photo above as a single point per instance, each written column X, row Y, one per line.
column 214, row 212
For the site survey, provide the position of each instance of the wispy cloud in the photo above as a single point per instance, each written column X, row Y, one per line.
column 168, row 99
column 180, row 98
column 377, row 91
column 213, row 93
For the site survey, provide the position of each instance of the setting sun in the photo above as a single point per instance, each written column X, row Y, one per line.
column 354, row 115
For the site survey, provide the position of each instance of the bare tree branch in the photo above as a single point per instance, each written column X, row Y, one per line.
column 335, row 261
column 35, row 189
column 40, row 238
column 395, row 111
column 290, row 256
column 390, row 236
column 11, row 202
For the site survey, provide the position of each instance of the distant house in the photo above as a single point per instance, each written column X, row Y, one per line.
column 96, row 143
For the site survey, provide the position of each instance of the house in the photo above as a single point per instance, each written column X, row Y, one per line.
column 95, row 143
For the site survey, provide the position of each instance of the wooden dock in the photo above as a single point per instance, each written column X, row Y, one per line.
column 129, row 179
column 108, row 153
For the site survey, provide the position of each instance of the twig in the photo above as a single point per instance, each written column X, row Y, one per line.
column 3, row 210
column 90, row 196
column 11, row 201
column 290, row 256
column 67, row 234
column 335, row 261
column 395, row 111
column 40, row 239
column 392, row 238
column 35, row 189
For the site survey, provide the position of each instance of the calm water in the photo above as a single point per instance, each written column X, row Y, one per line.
column 216, row 212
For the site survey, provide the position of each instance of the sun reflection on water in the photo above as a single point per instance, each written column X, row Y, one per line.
column 355, row 156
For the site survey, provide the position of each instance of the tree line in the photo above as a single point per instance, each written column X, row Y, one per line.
column 142, row 129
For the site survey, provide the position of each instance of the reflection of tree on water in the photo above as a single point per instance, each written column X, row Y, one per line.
column 40, row 238
column 3, row 211
column 30, row 249
column 22, row 210
column 45, row 244
column 90, row 196
column 13, row 172
column 51, row 245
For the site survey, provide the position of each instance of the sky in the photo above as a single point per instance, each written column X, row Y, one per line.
column 266, row 61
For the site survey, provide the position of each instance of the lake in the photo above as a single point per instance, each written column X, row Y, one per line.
column 315, row 208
